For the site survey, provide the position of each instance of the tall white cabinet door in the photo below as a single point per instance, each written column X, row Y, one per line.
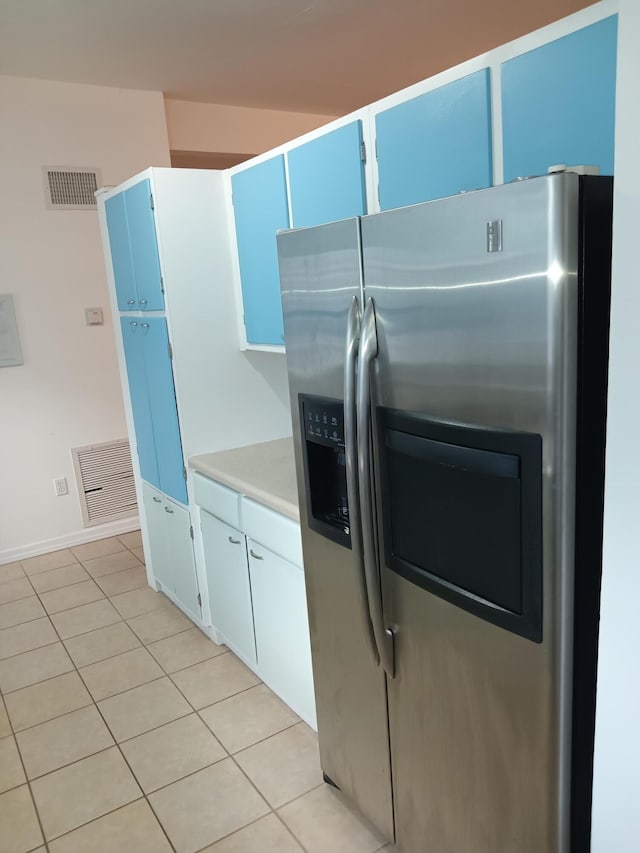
column 282, row 628
column 228, row 583
column 154, row 502
column 179, row 555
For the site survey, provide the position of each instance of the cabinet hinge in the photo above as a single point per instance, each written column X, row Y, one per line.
column 161, row 285
column 191, row 531
column 170, row 349
column 184, row 474
column 363, row 152
column 151, row 205
column 199, row 600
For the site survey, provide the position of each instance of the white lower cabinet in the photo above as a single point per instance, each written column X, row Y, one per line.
column 172, row 559
column 282, row 628
column 225, row 551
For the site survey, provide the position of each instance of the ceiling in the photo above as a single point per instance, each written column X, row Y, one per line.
column 317, row 56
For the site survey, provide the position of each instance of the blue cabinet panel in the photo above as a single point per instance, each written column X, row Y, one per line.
column 437, row 144
column 260, row 209
column 144, row 247
column 121, row 252
column 133, row 339
column 558, row 103
column 326, row 178
column 162, row 402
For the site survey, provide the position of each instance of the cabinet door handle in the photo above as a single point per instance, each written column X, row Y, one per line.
column 142, row 301
column 131, row 301
column 144, row 325
column 169, row 510
column 234, row 541
column 157, row 500
column 133, row 323
column 254, row 555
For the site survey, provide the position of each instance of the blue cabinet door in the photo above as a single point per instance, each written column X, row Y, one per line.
column 437, row 144
column 162, row 403
column 144, row 247
column 558, row 103
column 260, row 209
column 133, row 339
column 120, row 249
column 326, row 178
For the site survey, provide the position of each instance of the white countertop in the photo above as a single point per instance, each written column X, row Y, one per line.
column 264, row 472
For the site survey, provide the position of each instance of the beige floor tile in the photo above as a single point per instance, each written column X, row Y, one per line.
column 100, row 548
column 185, row 808
column 88, row 617
column 15, row 590
column 139, row 552
column 20, row 828
column 101, row 644
column 34, row 666
column 23, row 638
column 267, row 835
column 172, row 752
column 323, row 821
column 285, row 765
column 17, row 612
column 143, row 708
column 111, row 676
column 248, row 717
column 133, row 539
column 44, row 701
column 67, row 597
column 11, row 572
column 124, row 581
column 5, row 728
column 160, row 623
column 185, row 649
column 45, row 562
column 213, row 680
column 11, row 772
column 62, row 741
column 130, row 829
column 83, row 791
column 57, row 578
column 111, row 563
column 139, row 601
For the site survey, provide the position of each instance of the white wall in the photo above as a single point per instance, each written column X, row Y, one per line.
column 216, row 127
column 616, row 789
column 67, row 393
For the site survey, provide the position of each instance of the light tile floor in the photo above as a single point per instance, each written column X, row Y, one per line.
column 124, row 728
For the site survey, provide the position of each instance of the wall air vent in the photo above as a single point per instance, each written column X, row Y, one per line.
column 105, row 481
column 70, row 188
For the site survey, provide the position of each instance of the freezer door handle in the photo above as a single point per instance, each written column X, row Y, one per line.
column 367, row 354
column 351, row 465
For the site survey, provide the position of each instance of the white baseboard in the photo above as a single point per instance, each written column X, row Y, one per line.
column 79, row 537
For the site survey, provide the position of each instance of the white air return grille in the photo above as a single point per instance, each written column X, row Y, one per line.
column 105, row 481
column 70, row 189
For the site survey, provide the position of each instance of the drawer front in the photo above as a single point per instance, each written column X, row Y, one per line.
column 274, row 531
column 217, row 499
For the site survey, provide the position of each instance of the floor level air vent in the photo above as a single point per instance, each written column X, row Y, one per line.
column 70, row 189
column 105, row 481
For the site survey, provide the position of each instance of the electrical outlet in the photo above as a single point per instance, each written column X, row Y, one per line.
column 60, row 486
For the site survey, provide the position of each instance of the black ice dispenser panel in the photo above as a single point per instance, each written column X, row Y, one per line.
column 322, row 422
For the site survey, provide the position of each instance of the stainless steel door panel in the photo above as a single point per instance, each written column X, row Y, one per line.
column 480, row 717
column 320, row 273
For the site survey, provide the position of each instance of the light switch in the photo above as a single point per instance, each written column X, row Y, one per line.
column 93, row 316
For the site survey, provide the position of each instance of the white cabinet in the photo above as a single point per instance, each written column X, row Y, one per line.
column 228, row 582
column 282, row 628
column 171, row 545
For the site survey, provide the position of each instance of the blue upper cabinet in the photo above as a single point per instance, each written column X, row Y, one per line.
column 558, row 103
column 164, row 412
column 144, row 247
column 121, row 252
column 437, row 144
column 260, row 209
column 326, row 177
column 133, row 338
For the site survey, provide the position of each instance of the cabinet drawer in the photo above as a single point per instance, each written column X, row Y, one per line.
column 274, row 531
column 217, row 499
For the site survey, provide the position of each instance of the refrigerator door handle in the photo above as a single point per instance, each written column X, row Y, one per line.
column 351, row 465
column 368, row 352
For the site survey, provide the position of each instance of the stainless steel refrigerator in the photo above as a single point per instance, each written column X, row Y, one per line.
column 447, row 368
